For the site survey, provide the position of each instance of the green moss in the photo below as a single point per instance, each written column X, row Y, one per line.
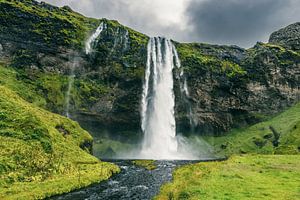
column 231, row 69
column 69, row 28
column 194, row 60
column 260, row 137
column 48, row 90
column 240, row 177
column 16, row 82
column 41, row 153
column 147, row 164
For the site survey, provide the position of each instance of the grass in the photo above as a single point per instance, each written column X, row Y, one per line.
column 11, row 79
column 147, row 164
column 249, row 173
column 240, row 177
column 43, row 154
column 261, row 138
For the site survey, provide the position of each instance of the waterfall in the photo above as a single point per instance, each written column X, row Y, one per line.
column 158, row 101
column 91, row 40
column 70, row 85
column 185, row 90
column 88, row 50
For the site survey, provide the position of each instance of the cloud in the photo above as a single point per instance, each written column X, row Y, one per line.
column 240, row 22
column 153, row 17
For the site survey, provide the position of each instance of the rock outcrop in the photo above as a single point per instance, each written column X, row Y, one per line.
column 288, row 36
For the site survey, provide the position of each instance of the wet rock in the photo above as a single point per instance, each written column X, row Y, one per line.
column 1, row 50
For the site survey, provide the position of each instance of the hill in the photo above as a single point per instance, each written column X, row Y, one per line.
column 43, row 154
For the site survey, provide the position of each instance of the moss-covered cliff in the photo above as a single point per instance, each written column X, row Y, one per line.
column 229, row 86
column 234, row 87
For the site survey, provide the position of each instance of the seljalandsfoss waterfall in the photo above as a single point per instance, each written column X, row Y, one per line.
column 157, row 113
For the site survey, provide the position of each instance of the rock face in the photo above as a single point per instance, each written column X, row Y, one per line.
column 288, row 36
column 229, row 86
column 260, row 81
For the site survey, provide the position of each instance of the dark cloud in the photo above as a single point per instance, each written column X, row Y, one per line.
column 241, row 22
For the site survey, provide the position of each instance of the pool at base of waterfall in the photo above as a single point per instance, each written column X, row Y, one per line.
column 133, row 182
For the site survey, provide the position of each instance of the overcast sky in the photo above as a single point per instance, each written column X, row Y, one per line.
column 239, row 22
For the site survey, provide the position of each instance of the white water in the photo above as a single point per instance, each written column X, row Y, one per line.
column 184, row 89
column 158, row 101
column 88, row 50
column 91, row 40
column 70, row 85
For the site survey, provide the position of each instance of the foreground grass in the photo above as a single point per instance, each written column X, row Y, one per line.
column 255, row 175
column 43, row 154
column 240, row 177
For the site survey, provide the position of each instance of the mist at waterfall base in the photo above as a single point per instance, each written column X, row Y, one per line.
column 158, row 126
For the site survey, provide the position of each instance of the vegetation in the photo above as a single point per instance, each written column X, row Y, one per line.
column 107, row 148
column 278, row 135
column 43, row 154
column 147, row 164
column 194, row 60
column 247, row 174
column 240, row 177
column 69, row 27
column 48, row 90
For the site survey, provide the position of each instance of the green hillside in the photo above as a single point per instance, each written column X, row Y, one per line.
column 278, row 135
column 42, row 153
column 247, row 174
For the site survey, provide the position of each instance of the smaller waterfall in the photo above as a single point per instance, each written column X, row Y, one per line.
column 89, row 43
column 88, row 49
column 70, row 86
column 184, row 89
column 125, row 40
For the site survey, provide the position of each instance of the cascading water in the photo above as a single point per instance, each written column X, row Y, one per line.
column 158, row 101
column 185, row 90
column 70, row 85
column 88, row 50
column 91, row 40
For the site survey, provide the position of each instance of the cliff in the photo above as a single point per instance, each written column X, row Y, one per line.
column 229, row 86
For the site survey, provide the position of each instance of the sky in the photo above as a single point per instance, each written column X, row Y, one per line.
column 231, row 22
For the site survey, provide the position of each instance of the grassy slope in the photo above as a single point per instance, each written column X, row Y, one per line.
column 259, row 137
column 40, row 152
column 241, row 177
column 248, row 176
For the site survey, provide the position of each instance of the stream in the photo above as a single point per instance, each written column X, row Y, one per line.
column 133, row 182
